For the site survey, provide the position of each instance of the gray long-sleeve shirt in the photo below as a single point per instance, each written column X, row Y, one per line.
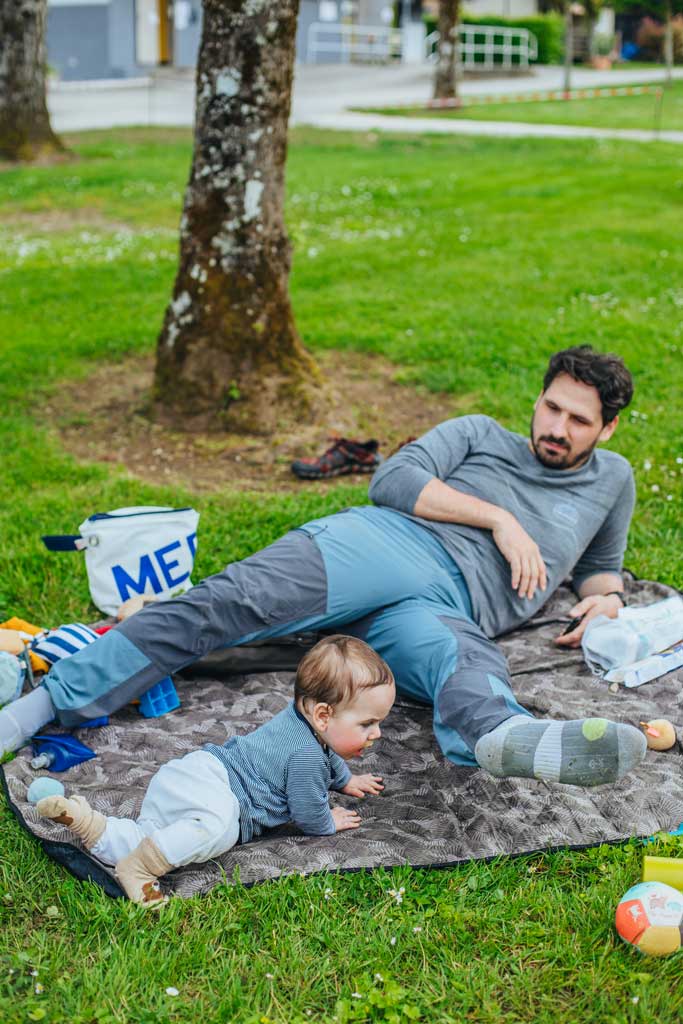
column 579, row 518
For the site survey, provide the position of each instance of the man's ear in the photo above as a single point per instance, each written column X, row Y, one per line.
column 608, row 429
column 321, row 715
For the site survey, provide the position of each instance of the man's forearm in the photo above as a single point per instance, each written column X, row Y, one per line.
column 444, row 504
column 599, row 584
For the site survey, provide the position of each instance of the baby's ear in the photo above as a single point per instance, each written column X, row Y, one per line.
column 322, row 713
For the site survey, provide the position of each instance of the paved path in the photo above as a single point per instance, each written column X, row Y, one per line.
column 323, row 94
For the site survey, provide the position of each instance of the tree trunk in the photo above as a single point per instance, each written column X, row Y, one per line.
column 568, row 46
column 25, row 132
column 669, row 43
column 229, row 355
column 446, row 75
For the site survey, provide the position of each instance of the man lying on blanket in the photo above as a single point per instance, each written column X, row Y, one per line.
column 471, row 530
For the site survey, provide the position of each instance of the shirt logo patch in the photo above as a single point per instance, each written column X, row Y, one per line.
column 565, row 510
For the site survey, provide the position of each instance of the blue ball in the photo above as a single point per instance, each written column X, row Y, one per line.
column 44, row 786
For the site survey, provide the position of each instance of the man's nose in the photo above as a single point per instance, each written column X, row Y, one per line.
column 560, row 424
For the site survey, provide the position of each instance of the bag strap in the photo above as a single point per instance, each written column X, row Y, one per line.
column 64, row 542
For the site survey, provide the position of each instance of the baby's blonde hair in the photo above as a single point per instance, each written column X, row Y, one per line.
column 338, row 667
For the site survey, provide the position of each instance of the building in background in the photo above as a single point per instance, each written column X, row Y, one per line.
column 89, row 39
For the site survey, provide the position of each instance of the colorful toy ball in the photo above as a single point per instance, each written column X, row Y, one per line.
column 650, row 916
column 44, row 786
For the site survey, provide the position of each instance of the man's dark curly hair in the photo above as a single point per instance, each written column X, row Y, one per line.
column 605, row 371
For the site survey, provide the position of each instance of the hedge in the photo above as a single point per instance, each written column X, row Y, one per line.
column 548, row 29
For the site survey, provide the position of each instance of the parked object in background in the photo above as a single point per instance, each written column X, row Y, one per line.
column 667, row 870
column 345, row 455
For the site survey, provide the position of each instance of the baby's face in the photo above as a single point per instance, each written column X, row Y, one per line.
column 353, row 726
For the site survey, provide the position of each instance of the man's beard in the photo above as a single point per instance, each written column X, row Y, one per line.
column 562, row 459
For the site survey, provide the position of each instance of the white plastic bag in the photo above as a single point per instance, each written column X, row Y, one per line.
column 138, row 550
column 637, row 633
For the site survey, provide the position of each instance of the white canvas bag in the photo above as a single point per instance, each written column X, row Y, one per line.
column 140, row 550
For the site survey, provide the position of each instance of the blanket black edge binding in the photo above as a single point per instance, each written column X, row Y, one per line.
column 87, row 869
column 76, row 862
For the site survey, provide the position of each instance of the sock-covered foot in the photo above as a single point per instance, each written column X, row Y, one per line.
column 139, row 872
column 23, row 718
column 76, row 813
column 583, row 752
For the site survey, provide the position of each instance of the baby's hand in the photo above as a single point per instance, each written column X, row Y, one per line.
column 344, row 819
column 359, row 785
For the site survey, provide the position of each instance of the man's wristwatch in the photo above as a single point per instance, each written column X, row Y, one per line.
column 620, row 594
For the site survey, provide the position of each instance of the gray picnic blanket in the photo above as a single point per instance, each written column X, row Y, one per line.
column 431, row 813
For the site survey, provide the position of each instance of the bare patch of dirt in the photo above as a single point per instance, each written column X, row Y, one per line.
column 104, row 418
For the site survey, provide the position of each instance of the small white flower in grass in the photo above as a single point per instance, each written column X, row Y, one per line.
column 327, row 894
column 635, row 1000
column 669, row 497
column 38, row 989
column 269, row 976
column 34, row 973
column 172, row 991
column 647, row 465
column 417, row 929
column 312, row 252
column 655, row 488
column 356, row 995
column 392, row 940
column 378, row 977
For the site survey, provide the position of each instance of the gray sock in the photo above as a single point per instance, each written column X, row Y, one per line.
column 23, row 718
column 583, row 752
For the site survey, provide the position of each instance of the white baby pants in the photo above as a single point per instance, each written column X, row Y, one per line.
column 189, row 811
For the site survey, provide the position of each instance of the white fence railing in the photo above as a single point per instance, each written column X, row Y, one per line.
column 482, row 47
column 489, row 47
column 344, row 44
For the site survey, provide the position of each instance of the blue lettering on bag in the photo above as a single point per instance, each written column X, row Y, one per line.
column 166, row 567
column 127, row 585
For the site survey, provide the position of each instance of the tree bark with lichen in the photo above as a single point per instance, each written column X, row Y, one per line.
column 446, row 74
column 25, row 131
column 229, row 355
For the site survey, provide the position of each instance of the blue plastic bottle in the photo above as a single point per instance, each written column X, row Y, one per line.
column 59, row 752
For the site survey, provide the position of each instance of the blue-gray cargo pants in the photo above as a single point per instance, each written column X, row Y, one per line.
column 368, row 571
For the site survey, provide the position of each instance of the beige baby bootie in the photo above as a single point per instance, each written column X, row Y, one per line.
column 76, row 813
column 138, row 874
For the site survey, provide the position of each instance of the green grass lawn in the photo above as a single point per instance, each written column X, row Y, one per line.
column 645, row 112
column 466, row 262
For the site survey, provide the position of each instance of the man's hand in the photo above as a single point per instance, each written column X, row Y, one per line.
column 359, row 785
column 528, row 572
column 589, row 608
column 344, row 819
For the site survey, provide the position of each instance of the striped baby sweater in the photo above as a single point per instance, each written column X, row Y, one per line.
column 280, row 773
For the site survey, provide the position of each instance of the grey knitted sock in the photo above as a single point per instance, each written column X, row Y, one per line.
column 583, row 752
column 23, row 718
